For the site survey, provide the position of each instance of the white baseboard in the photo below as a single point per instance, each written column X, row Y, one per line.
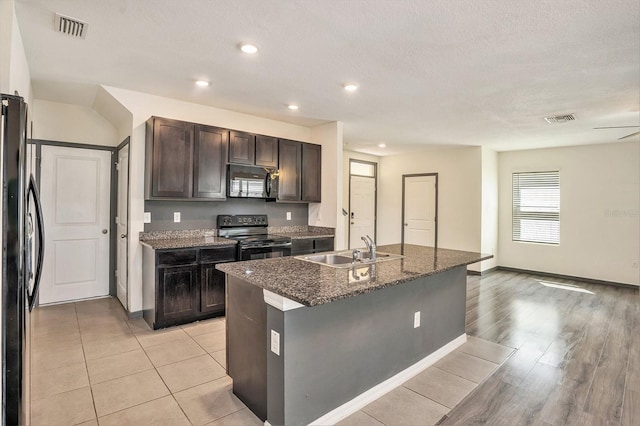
column 367, row 397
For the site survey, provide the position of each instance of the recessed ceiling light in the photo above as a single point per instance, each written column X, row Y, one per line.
column 202, row 83
column 382, row 145
column 293, row 107
column 350, row 87
column 249, row 48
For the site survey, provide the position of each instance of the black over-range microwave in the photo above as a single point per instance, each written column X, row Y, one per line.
column 251, row 182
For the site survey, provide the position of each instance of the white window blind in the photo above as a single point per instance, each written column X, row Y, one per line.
column 536, row 207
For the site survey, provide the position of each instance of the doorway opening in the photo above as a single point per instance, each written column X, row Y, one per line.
column 420, row 209
column 362, row 201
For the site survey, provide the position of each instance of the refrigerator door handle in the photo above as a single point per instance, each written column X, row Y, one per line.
column 33, row 189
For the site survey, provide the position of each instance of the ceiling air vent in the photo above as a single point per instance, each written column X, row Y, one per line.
column 557, row 119
column 71, row 26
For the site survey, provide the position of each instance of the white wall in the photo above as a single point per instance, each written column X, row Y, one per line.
column 489, row 221
column 346, row 156
column 72, row 123
column 327, row 213
column 599, row 212
column 459, row 195
column 14, row 69
column 142, row 106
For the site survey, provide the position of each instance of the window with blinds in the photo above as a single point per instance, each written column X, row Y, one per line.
column 536, row 207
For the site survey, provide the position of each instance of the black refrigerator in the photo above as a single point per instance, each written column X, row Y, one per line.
column 22, row 255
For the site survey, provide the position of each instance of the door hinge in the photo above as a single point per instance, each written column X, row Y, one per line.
column 116, row 219
column 116, row 273
column 117, row 166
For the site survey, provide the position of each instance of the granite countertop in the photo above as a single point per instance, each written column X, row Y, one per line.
column 312, row 284
column 304, row 235
column 186, row 242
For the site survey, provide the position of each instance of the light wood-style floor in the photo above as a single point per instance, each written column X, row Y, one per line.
column 577, row 359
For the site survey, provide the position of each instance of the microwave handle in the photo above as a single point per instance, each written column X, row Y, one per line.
column 267, row 184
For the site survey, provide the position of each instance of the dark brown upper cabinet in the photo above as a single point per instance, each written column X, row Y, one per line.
column 242, row 148
column 210, row 162
column 300, row 171
column 311, row 172
column 169, row 158
column 258, row 150
column 290, row 165
column 266, row 151
column 185, row 160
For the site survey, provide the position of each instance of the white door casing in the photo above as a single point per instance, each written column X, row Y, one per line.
column 121, row 224
column 419, row 217
column 362, row 202
column 75, row 192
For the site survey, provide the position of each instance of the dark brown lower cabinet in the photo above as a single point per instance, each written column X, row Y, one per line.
column 212, row 288
column 177, row 293
column 311, row 245
column 182, row 285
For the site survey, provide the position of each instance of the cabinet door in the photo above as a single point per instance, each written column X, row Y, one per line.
column 177, row 293
column 290, row 162
column 311, row 172
column 242, row 148
column 172, row 164
column 210, row 174
column 212, row 285
column 266, row 151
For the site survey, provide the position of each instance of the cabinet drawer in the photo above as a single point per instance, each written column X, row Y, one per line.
column 323, row 244
column 177, row 257
column 220, row 254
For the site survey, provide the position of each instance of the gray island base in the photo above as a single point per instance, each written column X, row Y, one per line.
column 310, row 344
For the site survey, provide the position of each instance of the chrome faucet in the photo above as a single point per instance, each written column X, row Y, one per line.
column 371, row 246
column 355, row 255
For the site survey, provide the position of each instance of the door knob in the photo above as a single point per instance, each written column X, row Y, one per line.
column 353, row 223
column 123, row 235
column 104, row 231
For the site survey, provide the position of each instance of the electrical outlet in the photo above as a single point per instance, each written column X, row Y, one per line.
column 635, row 265
column 275, row 342
column 416, row 320
column 288, row 215
column 147, row 217
column 176, row 216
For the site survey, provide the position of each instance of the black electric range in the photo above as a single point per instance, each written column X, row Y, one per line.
column 254, row 241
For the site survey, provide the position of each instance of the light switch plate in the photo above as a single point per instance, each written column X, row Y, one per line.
column 147, row 217
column 176, row 216
column 275, row 342
column 288, row 215
column 416, row 320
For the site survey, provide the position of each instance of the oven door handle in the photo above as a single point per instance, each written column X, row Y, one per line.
column 266, row 246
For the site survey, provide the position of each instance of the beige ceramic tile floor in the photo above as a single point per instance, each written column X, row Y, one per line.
column 91, row 365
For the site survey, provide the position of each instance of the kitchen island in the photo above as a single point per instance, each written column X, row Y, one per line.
column 310, row 343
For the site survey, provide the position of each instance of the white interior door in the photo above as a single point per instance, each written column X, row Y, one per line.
column 75, row 202
column 121, row 223
column 362, row 203
column 419, row 225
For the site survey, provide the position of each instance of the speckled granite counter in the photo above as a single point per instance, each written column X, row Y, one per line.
column 302, row 232
column 304, row 235
column 192, row 238
column 312, row 284
column 193, row 242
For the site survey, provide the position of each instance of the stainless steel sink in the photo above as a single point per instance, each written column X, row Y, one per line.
column 344, row 259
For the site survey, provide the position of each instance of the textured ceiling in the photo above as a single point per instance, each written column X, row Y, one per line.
column 436, row 72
